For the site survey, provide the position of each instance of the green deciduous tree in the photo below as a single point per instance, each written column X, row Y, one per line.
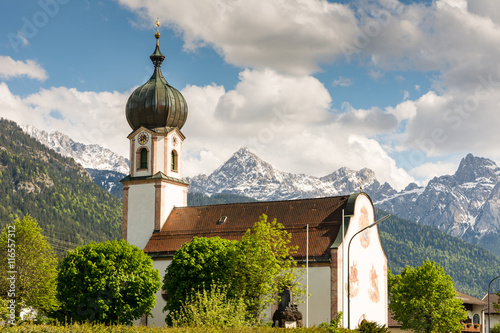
column 424, row 300
column 107, row 282
column 28, row 267
column 201, row 262
column 253, row 269
column 264, row 265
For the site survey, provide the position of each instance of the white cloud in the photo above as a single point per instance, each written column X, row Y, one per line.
column 375, row 74
column 403, row 111
column 343, row 82
column 289, row 36
column 368, row 122
column 287, row 121
column 430, row 170
column 88, row 117
column 10, row 68
column 406, row 94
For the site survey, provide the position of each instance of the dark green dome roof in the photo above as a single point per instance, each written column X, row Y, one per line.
column 156, row 103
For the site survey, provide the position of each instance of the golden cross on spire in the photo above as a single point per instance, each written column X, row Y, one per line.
column 157, row 34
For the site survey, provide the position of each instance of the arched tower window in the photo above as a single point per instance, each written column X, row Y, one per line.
column 174, row 161
column 144, row 159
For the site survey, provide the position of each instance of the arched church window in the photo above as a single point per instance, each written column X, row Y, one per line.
column 144, row 159
column 174, row 160
column 475, row 319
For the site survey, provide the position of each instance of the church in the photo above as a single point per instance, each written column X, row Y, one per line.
column 337, row 237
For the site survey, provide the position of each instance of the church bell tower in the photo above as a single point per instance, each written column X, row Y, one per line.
column 156, row 112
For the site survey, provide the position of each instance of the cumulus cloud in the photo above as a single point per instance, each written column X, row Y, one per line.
column 369, row 122
column 287, row 121
column 431, row 170
column 288, row 36
column 88, row 117
column 343, row 82
column 10, row 68
column 458, row 41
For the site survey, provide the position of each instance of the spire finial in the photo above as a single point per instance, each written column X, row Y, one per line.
column 360, row 186
column 157, row 34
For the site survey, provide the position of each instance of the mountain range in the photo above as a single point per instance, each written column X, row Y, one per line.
column 89, row 156
column 465, row 204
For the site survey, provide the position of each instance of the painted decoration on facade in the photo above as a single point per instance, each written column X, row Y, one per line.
column 364, row 221
column 373, row 291
column 353, row 281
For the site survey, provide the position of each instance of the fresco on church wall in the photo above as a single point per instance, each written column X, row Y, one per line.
column 353, row 280
column 364, row 221
column 373, row 291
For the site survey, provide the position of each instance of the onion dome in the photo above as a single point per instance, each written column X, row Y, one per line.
column 156, row 104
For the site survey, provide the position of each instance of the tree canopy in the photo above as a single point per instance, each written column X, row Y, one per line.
column 28, row 267
column 110, row 282
column 424, row 300
column 264, row 265
column 198, row 265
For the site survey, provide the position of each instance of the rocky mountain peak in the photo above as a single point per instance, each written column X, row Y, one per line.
column 89, row 156
column 242, row 161
column 473, row 168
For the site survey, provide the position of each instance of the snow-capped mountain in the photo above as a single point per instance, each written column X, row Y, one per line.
column 466, row 204
column 246, row 174
column 89, row 156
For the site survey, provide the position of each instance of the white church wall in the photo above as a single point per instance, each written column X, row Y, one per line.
column 368, row 273
column 141, row 201
column 160, row 151
column 320, row 296
column 158, row 318
column 175, row 195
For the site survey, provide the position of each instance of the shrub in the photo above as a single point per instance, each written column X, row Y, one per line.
column 495, row 328
column 210, row 308
column 372, row 327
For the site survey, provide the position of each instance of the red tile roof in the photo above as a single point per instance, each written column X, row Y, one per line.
column 324, row 216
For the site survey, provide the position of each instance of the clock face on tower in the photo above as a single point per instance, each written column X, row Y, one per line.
column 143, row 138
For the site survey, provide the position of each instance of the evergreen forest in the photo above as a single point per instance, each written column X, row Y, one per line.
column 71, row 208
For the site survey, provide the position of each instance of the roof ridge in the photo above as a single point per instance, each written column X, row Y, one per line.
column 270, row 202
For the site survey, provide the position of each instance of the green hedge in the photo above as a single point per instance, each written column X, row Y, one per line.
column 88, row 328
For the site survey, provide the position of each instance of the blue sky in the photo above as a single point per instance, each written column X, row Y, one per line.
column 406, row 88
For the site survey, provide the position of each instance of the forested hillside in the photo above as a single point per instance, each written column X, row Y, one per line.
column 409, row 243
column 70, row 207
